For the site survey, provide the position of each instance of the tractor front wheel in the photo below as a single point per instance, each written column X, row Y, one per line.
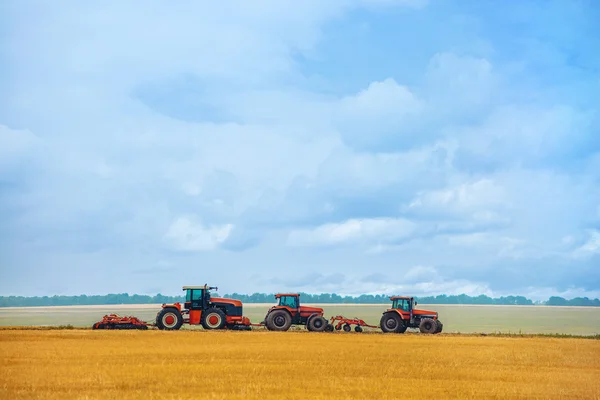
column 213, row 318
column 278, row 320
column 317, row 324
column 392, row 323
column 428, row 325
column 308, row 327
column 169, row 319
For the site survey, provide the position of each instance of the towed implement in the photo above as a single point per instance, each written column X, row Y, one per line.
column 114, row 321
column 346, row 324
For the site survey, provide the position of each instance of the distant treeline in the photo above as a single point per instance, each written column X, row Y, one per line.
column 325, row 298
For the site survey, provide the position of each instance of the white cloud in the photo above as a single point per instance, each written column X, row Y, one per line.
column 353, row 231
column 468, row 197
column 382, row 113
column 524, row 135
column 590, row 247
column 458, row 84
column 184, row 234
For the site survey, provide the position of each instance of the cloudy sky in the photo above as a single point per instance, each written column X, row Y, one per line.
column 356, row 146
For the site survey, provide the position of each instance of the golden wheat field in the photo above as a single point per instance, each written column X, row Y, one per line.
column 81, row 364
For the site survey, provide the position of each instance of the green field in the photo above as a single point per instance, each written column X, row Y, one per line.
column 456, row 318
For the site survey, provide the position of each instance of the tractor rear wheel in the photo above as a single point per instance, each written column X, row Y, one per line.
column 278, row 320
column 317, row 324
column 213, row 318
column 169, row 319
column 392, row 323
column 428, row 325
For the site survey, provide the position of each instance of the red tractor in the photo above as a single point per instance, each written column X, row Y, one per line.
column 202, row 309
column 403, row 315
column 288, row 312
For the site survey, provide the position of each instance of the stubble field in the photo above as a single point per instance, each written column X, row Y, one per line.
column 86, row 364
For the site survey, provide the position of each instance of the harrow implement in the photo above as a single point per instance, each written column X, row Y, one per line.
column 114, row 321
column 346, row 324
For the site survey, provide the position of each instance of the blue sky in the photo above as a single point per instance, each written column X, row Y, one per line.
column 356, row 146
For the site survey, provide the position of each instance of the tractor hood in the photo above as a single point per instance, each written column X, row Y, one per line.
column 233, row 302
column 426, row 313
column 312, row 310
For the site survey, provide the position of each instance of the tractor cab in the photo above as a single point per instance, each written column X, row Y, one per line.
column 197, row 297
column 288, row 300
column 403, row 303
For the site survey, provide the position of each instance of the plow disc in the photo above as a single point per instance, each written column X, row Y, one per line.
column 114, row 321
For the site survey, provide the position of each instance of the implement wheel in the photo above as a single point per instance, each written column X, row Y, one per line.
column 358, row 329
column 278, row 320
column 428, row 325
column 329, row 328
column 169, row 319
column 347, row 328
column 213, row 318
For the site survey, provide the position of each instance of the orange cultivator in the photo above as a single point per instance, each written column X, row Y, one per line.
column 114, row 321
column 346, row 324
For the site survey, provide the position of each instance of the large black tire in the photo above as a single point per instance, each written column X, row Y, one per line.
column 317, row 324
column 392, row 323
column 213, row 318
column 278, row 320
column 169, row 319
column 402, row 327
column 308, row 327
column 428, row 325
column 440, row 326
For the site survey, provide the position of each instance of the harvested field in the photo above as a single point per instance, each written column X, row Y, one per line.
column 292, row 365
column 456, row 318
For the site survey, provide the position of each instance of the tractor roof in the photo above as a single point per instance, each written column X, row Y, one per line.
column 278, row 295
column 205, row 287
column 400, row 298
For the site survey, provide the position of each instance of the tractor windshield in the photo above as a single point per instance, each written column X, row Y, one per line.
column 193, row 295
column 402, row 304
column 288, row 301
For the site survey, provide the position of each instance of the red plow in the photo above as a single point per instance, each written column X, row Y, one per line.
column 114, row 321
column 346, row 324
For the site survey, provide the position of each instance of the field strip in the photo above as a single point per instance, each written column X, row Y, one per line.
column 292, row 365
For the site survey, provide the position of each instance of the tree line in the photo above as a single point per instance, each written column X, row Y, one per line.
column 324, row 298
